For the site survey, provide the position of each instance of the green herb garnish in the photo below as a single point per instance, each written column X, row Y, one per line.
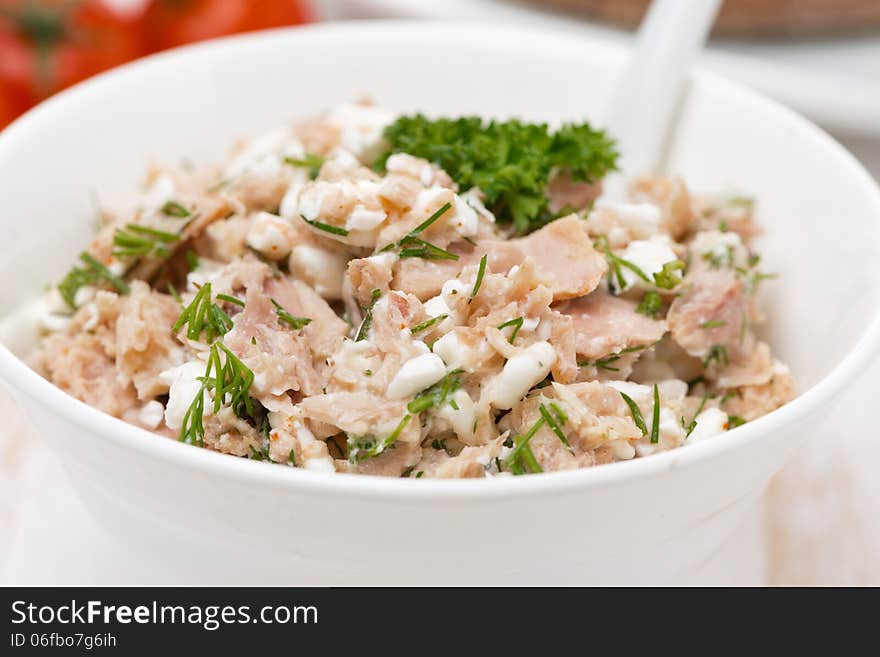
column 655, row 420
column 93, row 273
column 428, row 323
column 230, row 299
column 554, row 424
column 139, row 241
column 650, row 304
column 175, row 209
column 366, row 447
column 327, row 228
column 521, row 450
column 226, row 377
column 713, row 323
column 717, row 353
column 636, row 413
column 203, row 315
column 287, row 318
column 734, row 421
column 516, row 324
column 481, row 272
column 510, row 161
column 693, row 423
column 312, row 161
column 667, row 278
column 364, row 328
column 436, row 395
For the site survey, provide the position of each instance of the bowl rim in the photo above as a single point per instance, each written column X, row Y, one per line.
column 22, row 379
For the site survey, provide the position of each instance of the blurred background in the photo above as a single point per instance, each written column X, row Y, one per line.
column 819, row 523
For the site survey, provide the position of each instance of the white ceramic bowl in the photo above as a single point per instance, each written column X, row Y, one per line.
column 648, row 520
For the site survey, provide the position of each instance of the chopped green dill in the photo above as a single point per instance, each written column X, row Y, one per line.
column 291, row 458
column 364, row 328
column 226, row 377
column 93, row 272
column 717, row 353
column 368, row 372
column 420, row 474
column 667, row 278
column 284, row 316
column 438, row 444
column 650, row 304
column 412, row 246
column 635, row 412
column 516, row 324
column 139, row 241
column 481, row 272
column 617, row 264
column 415, row 247
column 726, row 397
column 560, row 414
column 430, row 220
column 436, row 395
column 713, row 323
column 605, row 363
column 741, row 201
column 521, row 450
column 693, row 423
column 366, row 447
column 554, row 426
column 230, row 299
column 327, row 228
column 734, row 421
column 174, row 293
column 428, row 323
column 655, row 420
column 175, row 209
column 717, row 260
column 312, row 161
column 192, row 260
column 512, row 162
column 203, row 315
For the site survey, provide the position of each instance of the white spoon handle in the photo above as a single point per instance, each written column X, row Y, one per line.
column 644, row 105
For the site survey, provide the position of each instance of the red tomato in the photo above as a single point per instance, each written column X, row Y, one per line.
column 47, row 45
column 171, row 23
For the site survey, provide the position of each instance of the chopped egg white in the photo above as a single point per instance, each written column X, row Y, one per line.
column 520, row 374
column 648, row 255
column 270, row 235
column 436, row 306
column 415, row 375
column 726, row 248
column 407, row 165
column 363, row 219
column 150, row 415
column 461, row 419
column 642, row 220
column 289, row 208
column 184, row 385
column 264, row 155
column 710, row 422
column 465, row 219
column 323, row 270
column 362, row 128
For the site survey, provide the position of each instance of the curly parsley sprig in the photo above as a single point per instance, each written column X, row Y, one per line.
column 510, row 161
